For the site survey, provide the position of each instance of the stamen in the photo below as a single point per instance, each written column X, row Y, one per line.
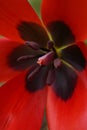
column 50, row 77
column 35, row 71
column 26, row 57
column 33, row 45
column 46, row 59
column 57, row 63
column 50, row 44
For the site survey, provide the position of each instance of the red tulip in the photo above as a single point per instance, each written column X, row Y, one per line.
column 44, row 64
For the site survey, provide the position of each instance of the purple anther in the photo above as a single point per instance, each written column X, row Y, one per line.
column 35, row 71
column 50, row 44
column 33, row 45
column 26, row 57
column 57, row 63
column 50, row 77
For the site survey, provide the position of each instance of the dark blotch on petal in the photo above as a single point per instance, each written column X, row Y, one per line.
column 65, row 82
column 61, row 33
column 74, row 56
column 20, row 51
column 38, row 81
column 29, row 31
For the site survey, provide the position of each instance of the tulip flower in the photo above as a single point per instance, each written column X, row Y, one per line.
column 44, row 65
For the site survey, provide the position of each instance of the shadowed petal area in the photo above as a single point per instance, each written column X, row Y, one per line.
column 19, row 108
column 22, row 51
column 30, row 31
column 71, row 12
column 6, row 47
column 61, row 33
column 12, row 13
column 83, row 48
column 69, row 115
column 74, row 56
column 36, row 78
column 65, row 82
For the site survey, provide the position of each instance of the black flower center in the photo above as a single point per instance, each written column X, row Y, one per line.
column 50, row 63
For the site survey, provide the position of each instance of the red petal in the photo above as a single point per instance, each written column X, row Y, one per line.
column 6, row 46
column 72, row 12
column 12, row 13
column 71, row 114
column 20, row 109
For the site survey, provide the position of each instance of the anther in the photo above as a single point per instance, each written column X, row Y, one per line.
column 35, row 71
column 26, row 57
column 57, row 63
column 46, row 59
column 33, row 45
column 50, row 77
column 50, row 44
